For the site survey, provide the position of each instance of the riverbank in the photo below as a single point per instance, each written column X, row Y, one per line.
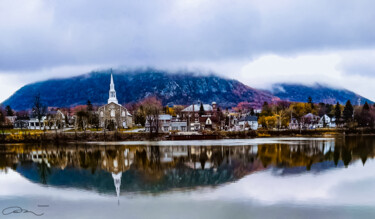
column 88, row 136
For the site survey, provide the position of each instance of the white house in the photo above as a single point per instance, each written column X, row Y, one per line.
column 248, row 123
column 34, row 123
column 327, row 122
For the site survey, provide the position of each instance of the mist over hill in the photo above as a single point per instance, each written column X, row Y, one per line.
column 181, row 88
column 318, row 93
column 131, row 86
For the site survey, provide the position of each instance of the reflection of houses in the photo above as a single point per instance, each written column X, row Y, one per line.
column 160, row 168
column 39, row 157
column 113, row 115
column 116, row 161
column 167, row 154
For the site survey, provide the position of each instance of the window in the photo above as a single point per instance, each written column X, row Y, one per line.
column 101, row 114
column 166, row 128
column 113, row 113
column 123, row 113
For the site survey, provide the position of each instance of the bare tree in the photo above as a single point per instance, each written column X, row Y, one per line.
column 39, row 110
column 152, row 108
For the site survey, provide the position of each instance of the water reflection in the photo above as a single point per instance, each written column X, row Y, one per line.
column 139, row 168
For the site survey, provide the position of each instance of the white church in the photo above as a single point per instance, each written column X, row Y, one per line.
column 113, row 115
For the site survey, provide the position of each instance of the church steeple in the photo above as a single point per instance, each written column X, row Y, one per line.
column 112, row 93
column 117, row 181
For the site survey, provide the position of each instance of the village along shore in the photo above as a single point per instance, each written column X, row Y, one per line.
column 150, row 120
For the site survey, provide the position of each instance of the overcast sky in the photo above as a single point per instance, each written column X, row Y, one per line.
column 257, row 42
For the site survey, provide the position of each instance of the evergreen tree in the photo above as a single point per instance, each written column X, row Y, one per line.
column 309, row 101
column 366, row 106
column 90, row 113
column 252, row 113
column 348, row 111
column 9, row 111
column 201, row 110
column 266, row 110
column 329, row 109
column 364, row 118
column 337, row 112
column 90, row 108
column 2, row 119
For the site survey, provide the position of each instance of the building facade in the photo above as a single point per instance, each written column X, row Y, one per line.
column 113, row 115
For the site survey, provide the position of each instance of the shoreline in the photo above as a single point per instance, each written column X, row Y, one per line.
column 65, row 137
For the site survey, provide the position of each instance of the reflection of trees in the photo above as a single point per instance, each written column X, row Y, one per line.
column 179, row 166
column 283, row 155
column 336, row 155
column 203, row 157
column 155, row 158
column 44, row 171
column 346, row 156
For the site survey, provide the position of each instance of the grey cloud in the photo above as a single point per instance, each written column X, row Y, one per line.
column 360, row 63
column 86, row 32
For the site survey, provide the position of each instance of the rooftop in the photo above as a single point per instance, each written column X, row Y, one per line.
column 196, row 107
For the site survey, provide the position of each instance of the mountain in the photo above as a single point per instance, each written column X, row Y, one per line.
column 318, row 93
column 131, row 86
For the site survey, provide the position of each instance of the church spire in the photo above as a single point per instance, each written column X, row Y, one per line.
column 112, row 93
column 117, row 182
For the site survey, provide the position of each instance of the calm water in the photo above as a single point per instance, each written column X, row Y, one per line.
column 257, row 178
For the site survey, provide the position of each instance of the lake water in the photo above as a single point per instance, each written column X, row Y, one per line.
column 256, row 178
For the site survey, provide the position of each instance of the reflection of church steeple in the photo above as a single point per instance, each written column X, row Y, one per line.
column 117, row 181
column 112, row 92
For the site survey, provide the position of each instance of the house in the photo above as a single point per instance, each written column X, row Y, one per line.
column 327, row 122
column 192, row 112
column 55, row 119
column 167, row 123
column 179, row 126
column 294, row 124
column 113, row 115
column 11, row 119
column 195, row 108
column 310, row 121
column 21, row 124
column 197, row 116
column 34, row 123
column 248, row 123
column 163, row 123
column 206, row 123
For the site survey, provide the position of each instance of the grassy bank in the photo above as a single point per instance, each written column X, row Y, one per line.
column 61, row 137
